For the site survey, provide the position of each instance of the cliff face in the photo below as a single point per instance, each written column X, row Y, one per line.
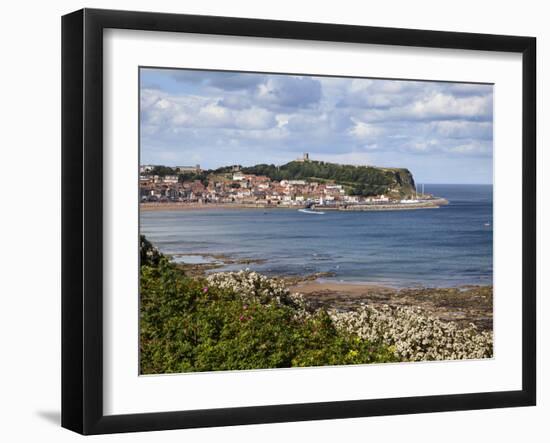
column 357, row 180
column 403, row 182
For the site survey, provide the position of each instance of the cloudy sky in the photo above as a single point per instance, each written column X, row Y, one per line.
column 442, row 132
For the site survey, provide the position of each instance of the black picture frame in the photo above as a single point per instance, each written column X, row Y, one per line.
column 82, row 218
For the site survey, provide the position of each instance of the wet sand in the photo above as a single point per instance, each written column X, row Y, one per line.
column 357, row 289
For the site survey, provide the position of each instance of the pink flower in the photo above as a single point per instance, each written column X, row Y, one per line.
column 245, row 307
column 205, row 289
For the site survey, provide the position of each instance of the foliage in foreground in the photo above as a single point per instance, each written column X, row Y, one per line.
column 414, row 335
column 245, row 320
column 237, row 321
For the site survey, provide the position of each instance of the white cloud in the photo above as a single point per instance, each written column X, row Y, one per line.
column 349, row 158
column 444, row 105
column 276, row 117
column 198, row 112
column 255, row 118
column 289, row 91
column 463, row 129
column 362, row 130
column 476, row 148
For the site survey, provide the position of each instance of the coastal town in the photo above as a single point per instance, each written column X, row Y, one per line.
column 192, row 186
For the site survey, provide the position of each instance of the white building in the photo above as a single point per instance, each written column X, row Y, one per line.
column 381, row 199
column 243, row 194
column 172, row 179
column 338, row 188
column 351, row 198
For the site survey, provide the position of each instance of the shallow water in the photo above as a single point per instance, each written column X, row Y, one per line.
column 449, row 246
column 193, row 259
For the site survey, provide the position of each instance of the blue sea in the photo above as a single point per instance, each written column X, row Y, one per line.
column 449, row 246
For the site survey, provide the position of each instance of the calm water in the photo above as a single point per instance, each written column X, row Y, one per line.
column 448, row 246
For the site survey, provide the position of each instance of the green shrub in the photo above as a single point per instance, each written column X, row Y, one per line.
column 148, row 254
column 195, row 324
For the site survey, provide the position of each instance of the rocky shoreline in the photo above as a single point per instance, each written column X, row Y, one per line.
column 461, row 305
column 217, row 261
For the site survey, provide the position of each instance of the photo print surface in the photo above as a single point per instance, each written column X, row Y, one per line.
column 300, row 220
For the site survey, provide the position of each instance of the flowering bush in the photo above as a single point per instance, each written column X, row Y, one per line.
column 257, row 287
column 413, row 335
column 240, row 320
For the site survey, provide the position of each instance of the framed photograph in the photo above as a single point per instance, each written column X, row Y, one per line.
column 269, row 221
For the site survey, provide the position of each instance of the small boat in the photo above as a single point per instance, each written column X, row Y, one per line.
column 487, row 224
column 310, row 211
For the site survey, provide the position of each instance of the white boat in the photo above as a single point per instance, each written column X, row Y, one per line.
column 309, row 211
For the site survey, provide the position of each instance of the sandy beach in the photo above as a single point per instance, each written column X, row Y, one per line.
column 357, row 289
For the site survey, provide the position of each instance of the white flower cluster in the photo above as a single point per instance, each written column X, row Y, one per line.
column 414, row 335
column 254, row 286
